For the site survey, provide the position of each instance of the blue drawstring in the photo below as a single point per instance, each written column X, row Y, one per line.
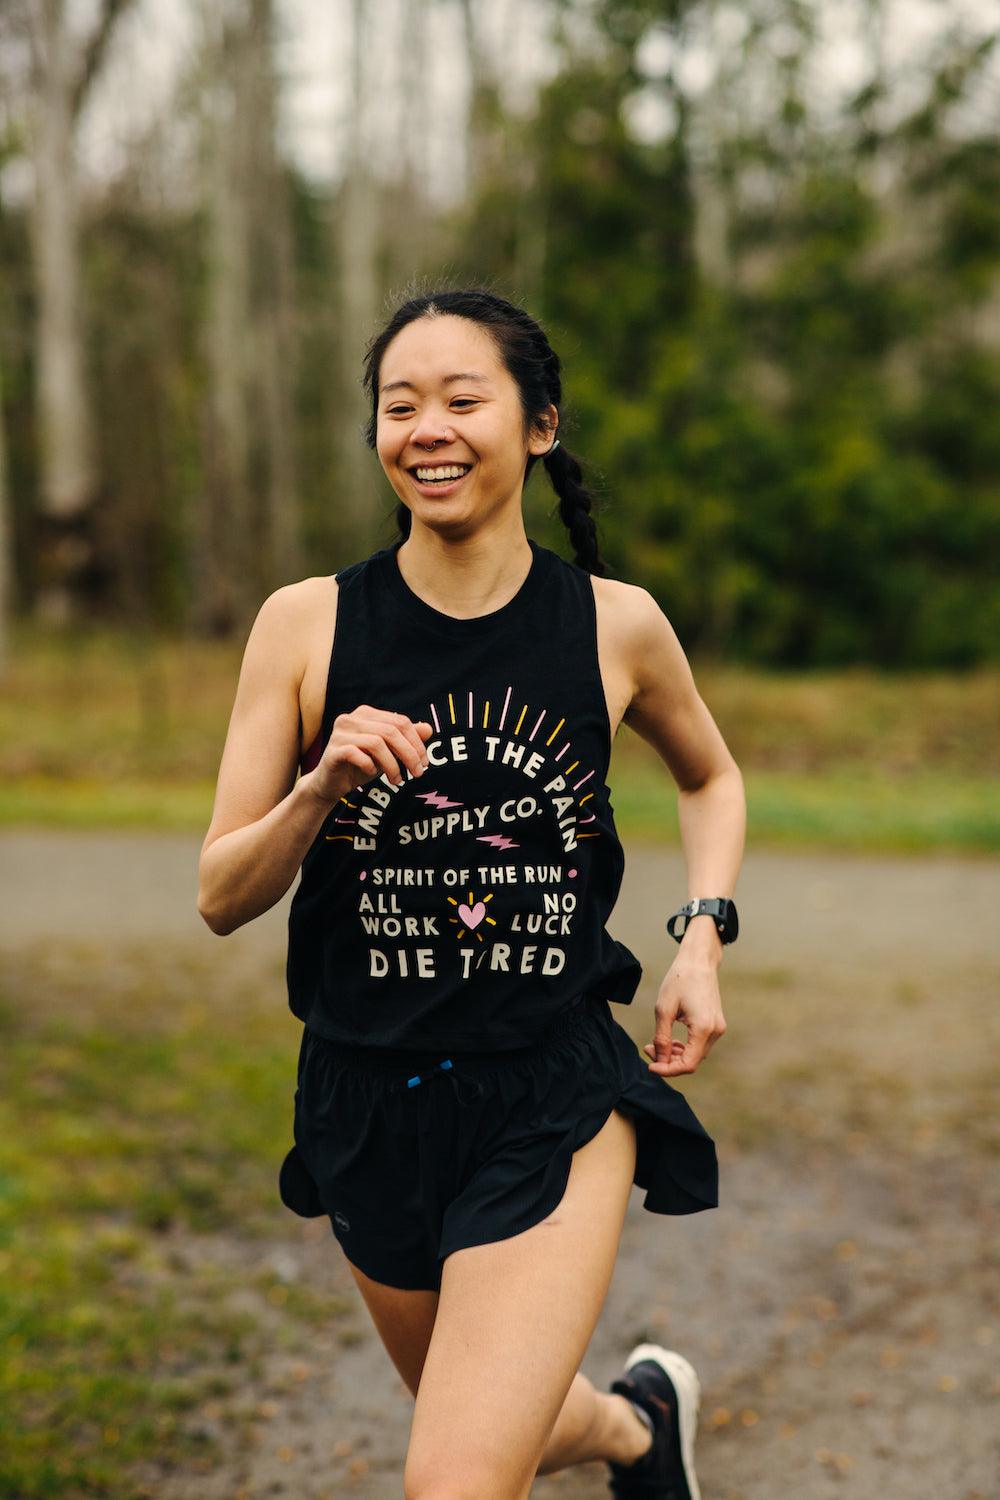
column 412, row 1082
column 446, row 1066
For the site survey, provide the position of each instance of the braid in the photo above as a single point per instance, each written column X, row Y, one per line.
column 575, row 502
column 563, row 468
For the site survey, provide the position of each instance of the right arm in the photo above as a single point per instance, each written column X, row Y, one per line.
column 263, row 820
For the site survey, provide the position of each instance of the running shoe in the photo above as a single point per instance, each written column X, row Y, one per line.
column 666, row 1386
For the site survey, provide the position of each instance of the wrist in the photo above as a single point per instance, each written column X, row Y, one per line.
column 306, row 789
column 701, row 938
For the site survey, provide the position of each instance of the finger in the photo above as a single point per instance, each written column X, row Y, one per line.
column 398, row 750
column 663, row 1063
column 663, row 1034
column 686, row 1058
column 375, row 746
column 399, row 732
column 410, row 728
column 408, row 746
column 354, row 757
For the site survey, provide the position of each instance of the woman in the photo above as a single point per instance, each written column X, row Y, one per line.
column 468, row 1112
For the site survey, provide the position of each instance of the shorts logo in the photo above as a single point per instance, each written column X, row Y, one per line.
column 340, row 1221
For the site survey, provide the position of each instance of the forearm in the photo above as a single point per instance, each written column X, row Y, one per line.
column 713, row 833
column 243, row 873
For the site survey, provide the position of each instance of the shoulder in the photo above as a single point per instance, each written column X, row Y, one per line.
column 293, row 605
column 285, row 621
column 629, row 614
column 626, row 601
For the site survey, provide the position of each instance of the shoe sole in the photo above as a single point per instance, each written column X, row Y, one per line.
column 688, row 1388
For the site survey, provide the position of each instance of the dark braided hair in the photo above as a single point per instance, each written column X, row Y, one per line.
column 534, row 366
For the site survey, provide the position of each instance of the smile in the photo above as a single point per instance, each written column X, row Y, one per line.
column 451, row 476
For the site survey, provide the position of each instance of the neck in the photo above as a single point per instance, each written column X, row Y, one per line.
column 469, row 576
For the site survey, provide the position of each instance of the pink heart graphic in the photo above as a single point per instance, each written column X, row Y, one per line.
column 472, row 915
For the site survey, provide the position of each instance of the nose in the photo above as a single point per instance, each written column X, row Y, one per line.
column 431, row 430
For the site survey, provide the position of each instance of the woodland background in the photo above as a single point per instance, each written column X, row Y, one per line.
column 764, row 239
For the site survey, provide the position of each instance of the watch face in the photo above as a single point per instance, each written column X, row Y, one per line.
column 732, row 921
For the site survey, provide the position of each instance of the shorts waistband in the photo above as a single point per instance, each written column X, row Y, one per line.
column 399, row 1061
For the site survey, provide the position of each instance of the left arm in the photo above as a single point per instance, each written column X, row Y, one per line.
column 668, row 712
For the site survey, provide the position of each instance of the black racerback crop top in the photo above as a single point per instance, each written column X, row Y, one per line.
column 465, row 908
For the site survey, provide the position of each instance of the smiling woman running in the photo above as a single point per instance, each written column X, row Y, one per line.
column 468, row 1112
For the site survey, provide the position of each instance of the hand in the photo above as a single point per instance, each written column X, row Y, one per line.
column 365, row 743
column 689, row 994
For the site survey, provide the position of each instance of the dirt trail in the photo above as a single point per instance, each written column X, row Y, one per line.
column 842, row 1305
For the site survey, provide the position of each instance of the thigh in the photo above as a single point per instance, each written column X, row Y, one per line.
column 404, row 1321
column 513, row 1321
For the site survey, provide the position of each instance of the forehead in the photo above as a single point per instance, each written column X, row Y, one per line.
column 430, row 352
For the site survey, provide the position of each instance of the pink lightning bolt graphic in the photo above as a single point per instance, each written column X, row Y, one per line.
column 437, row 799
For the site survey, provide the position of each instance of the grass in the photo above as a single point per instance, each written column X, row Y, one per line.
column 104, row 730
column 145, row 1106
column 134, row 1119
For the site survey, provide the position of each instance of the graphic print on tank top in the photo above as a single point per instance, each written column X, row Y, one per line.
column 466, row 907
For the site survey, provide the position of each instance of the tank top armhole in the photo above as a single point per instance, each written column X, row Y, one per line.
column 326, row 725
column 596, row 658
column 311, row 755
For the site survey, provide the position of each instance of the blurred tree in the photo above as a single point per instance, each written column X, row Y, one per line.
column 248, row 538
column 356, row 241
column 6, row 573
column 777, row 304
column 72, row 575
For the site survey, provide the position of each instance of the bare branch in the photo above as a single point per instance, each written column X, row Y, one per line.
column 93, row 57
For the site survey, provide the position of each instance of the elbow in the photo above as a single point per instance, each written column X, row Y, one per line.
column 213, row 921
column 217, row 921
column 727, row 770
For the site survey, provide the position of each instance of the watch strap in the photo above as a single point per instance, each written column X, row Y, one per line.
column 717, row 907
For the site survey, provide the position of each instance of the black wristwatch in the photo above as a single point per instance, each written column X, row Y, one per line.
column 719, row 908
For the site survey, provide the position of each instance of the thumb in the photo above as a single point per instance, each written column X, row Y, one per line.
column 660, row 1049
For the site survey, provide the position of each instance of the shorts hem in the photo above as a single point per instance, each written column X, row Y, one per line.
column 387, row 1278
column 550, row 1206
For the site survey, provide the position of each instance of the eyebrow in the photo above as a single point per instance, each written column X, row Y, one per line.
column 398, row 385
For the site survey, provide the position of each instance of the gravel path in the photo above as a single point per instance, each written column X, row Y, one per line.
column 842, row 1305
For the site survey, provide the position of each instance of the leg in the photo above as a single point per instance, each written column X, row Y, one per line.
column 513, row 1321
column 591, row 1425
column 594, row 1424
column 404, row 1322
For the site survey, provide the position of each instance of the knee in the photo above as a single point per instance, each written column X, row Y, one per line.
column 445, row 1481
column 442, row 1489
column 447, row 1489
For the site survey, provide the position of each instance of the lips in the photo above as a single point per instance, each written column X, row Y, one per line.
column 453, row 464
column 439, row 486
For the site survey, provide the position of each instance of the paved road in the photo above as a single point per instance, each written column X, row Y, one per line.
column 828, row 910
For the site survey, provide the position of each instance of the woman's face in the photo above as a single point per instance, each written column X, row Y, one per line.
column 428, row 418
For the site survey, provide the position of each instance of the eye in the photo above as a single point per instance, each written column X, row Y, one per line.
column 395, row 411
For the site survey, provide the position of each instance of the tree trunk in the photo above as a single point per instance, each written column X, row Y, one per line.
column 6, row 549
column 273, row 287
column 355, row 232
column 224, row 589
column 68, row 484
column 409, row 232
column 248, row 532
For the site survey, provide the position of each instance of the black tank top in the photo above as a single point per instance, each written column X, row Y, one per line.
column 465, row 908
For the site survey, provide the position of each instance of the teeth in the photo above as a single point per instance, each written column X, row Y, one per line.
column 454, row 471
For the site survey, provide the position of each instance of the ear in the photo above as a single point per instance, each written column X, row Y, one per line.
column 544, row 431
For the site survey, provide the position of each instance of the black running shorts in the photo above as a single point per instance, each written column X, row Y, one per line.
column 414, row 1155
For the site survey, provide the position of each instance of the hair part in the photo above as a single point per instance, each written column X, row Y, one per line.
column 534, row 366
